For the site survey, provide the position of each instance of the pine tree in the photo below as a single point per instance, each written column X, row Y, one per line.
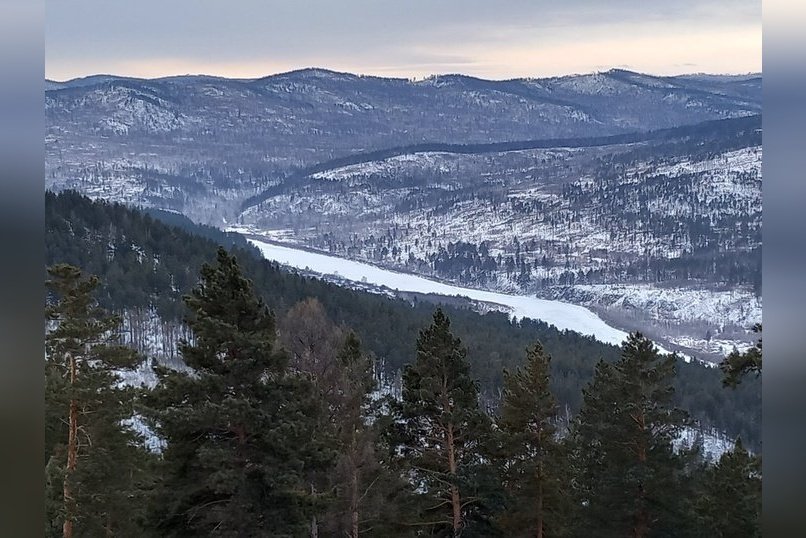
column 96, row 468
column 241, row 429
column 358, row 476
column 626, row 469
column 532, row 458
column 730, row 500
column 442, row 434
column 737, row 365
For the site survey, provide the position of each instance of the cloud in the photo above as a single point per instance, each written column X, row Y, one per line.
column 498, row 39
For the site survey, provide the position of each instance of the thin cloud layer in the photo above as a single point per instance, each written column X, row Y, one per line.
column 416, row 38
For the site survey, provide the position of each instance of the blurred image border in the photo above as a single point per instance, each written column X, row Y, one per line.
column 22, row 43
column 784, row 258
column 22, row 47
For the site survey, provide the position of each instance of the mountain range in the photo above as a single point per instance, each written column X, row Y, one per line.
column 174, row 140
column 633, row 194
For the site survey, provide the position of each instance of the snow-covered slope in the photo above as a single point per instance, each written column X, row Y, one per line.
column 712, row 442
column 208, row 134
column 662, row 236
column 673, row 219
column 561, row 315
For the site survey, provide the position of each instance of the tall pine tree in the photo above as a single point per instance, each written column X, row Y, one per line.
column 443, row 432
column 626, row 470
column 534, row 471
column 241, row 429
column 96, row 468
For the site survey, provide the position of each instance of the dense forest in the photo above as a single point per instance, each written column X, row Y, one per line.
column 708, row 136
column 278, row 430
column 681, row 207
column 147, row 265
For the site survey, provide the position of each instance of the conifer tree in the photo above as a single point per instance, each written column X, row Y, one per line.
column 730, row 501
column 96, row 468
column 358, row 474
column 241, row 429
column 739, row 364
column 442, row 434
column 532, row 459
column 626, row 469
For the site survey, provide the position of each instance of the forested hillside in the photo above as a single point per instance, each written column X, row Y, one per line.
column 659, row 231
column 636, row 196
column 202, row 144
column 278, row 429
column 146, row 265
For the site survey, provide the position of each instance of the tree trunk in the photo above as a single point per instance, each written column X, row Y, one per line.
column 72, row 453
column 456, row 500
column 354, row 505
column 354, row 497
column 314, row 524
column 539, row 477
column 540, row 509
column 240, row 433
column 642, row 517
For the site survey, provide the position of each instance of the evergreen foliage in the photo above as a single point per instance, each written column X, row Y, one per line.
column 274, row 428
column 342, row 374
column 146, row 264
column 627, row 474
column 442, row 435
column 737, row 365
column 241, row 429
column 360, row 479
column 96, row 474
column 532, row 456
column 729, row 503
column 259, row 443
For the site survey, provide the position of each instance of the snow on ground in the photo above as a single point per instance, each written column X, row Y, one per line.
column 714, row 345
column 143, row 375
column 440, row 161
column 561, row 315
column 714, row 443
column 734, row 306
column 149, row 438
column 744, row 159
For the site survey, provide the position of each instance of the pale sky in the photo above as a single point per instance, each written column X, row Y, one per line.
column 495, row 39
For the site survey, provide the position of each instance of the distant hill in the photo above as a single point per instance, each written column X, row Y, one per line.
column 203, row 144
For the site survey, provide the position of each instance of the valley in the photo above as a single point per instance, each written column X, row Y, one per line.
column 635, row 196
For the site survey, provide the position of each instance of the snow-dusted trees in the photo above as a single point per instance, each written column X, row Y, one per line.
column 95, row 469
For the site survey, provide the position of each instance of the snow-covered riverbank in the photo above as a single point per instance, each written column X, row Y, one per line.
column 560, row 314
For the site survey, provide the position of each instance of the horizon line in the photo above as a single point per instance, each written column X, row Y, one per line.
column 409, row 78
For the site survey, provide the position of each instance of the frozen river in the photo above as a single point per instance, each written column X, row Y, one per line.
column 561, row 315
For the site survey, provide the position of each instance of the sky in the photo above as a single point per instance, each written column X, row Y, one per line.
column 494, row 39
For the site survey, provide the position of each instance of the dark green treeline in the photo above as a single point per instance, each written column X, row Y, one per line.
column 145, row 262
column 278, row 431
